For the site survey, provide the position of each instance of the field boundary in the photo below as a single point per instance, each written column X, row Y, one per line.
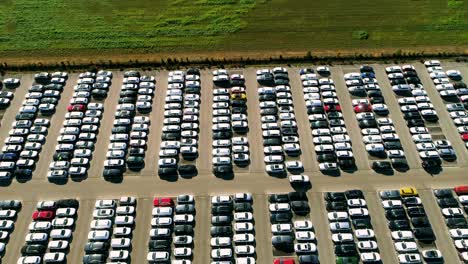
column 116, row 59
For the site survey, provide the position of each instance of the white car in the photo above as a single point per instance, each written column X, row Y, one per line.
column 299, row 179
column 221, row 200
column 304, row 236
column 220, row 242
column 243, row 217
column 391, row 204
column 364, row 233
column 403, row 247
column 182, row 252
column 243, row 238
column 357, row 203
column 342, row 238
column 221, row 253
column 337, row 216
column 370, row 257
column 281, row 228
column 303, row 248
column 409, row 258
column 244, row 250
column 367, row 245
column 328, row 166
column 452, row 212
column 305, row 225
column 243, row 227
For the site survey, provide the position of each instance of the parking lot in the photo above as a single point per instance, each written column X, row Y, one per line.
column 146, row 183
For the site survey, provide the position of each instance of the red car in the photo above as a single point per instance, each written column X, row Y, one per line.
column 464, row 137
column 43, row 215
column 362, row 108
column 163, row 201
column 78, row 107
column 332, row 108
column 283, row 261
column 461, row 190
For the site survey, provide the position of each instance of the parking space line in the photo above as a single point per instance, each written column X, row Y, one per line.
column 56, row 120
column 437, row 222
column 445, row 121
column 140, row 236
column 322, row 231
column 305, row 133
column 202, row 230
column 402, row 130
column 262, row 228
column 205, row 139
column 382, row 233
column 17, row 237
column 108, row 116
column 354, row 132
column 255, row 131
column 9, row 115
column 80, row 234
column 156, row 117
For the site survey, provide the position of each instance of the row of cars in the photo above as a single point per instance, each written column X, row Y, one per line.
column 330, row 136
column 110, row 237
column 279, row 126
column 232, row 234
column 291, row 229
column 454, row 91
column 350, row 224
column 6, row 96
column 409, row 226
column 229, row 118
column 50, row 232
column 418, row 111
column 129, row 137
column 78, row 134
column 181, row 123
column 172, row 224
column 377, row 129
column 28, row 133
column 453, row 204
column 9, row 210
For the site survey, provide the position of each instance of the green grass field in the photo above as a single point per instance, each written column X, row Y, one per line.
column 67, row 27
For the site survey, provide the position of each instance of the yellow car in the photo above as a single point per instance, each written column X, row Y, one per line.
column 239, row 96
column 408, row 191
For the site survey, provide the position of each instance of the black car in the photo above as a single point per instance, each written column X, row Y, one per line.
column 156, row 245
column 362, row 223
column 374, row 93
column 315, row 110
column 443, row 193
column 10, row 204
column 456, row 222
column 112, row 173
column 187, row 169
column 222, row 170
column 62, row 156
column 366, row 68
column 96, row 247
column 180, row 230
column 216, row 231
column 354, row 194
column 25, row 116
column 127, row 100
column 424, row 234
column 221, row 210
column 136, row 152
column 167, row 172
column 396, row 225
column 368, row 123
column 185, row 209
column 447, row 202
column 193, row 71
column 392, row 145
column 170, row 136
column 335, row 196
column 416, row 211
column 343, row 250
column 377, row 100
column 84, row 145
column 300, row 207
column 284, row 243
column 337, row 206
column 278, row 198
column 135, row 162
column 64, row 203
column 33, row 250
column 395, row 214
column 381, row 166
column 277, row 218
column 94, row 259
column 297, row 196
column 37, row 88
column 132, row 74
column 390, row 195
column 267, row 97
column 243, row 207
column 420, row 221
column 309, row 259
column 411, row 201
column 399, row 163
column 221, row 220
column 49, row 100
column 326, row 157
column 432, row 256
column 99, row 94
column 272, row 142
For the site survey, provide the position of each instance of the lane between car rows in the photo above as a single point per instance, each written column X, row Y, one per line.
column 206, row 113
column 359, row 151
column 409, row 147
column 262, row 230
column 445, row 121
column 48, row 149
column 202, row 228
column 254, row 135
column 321, row 230
column 141, row 231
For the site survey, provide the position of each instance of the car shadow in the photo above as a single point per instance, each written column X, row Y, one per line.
column 388, row 172
column 225, row 176
column 79, row 179
column 6, row 183
column 278, row 175
column 114, row 179
column 169, row 178
column 23, row 179
column 434, row 170
column 189, row 175
column 302, row 187
column 334, row 173
column 59, row 181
